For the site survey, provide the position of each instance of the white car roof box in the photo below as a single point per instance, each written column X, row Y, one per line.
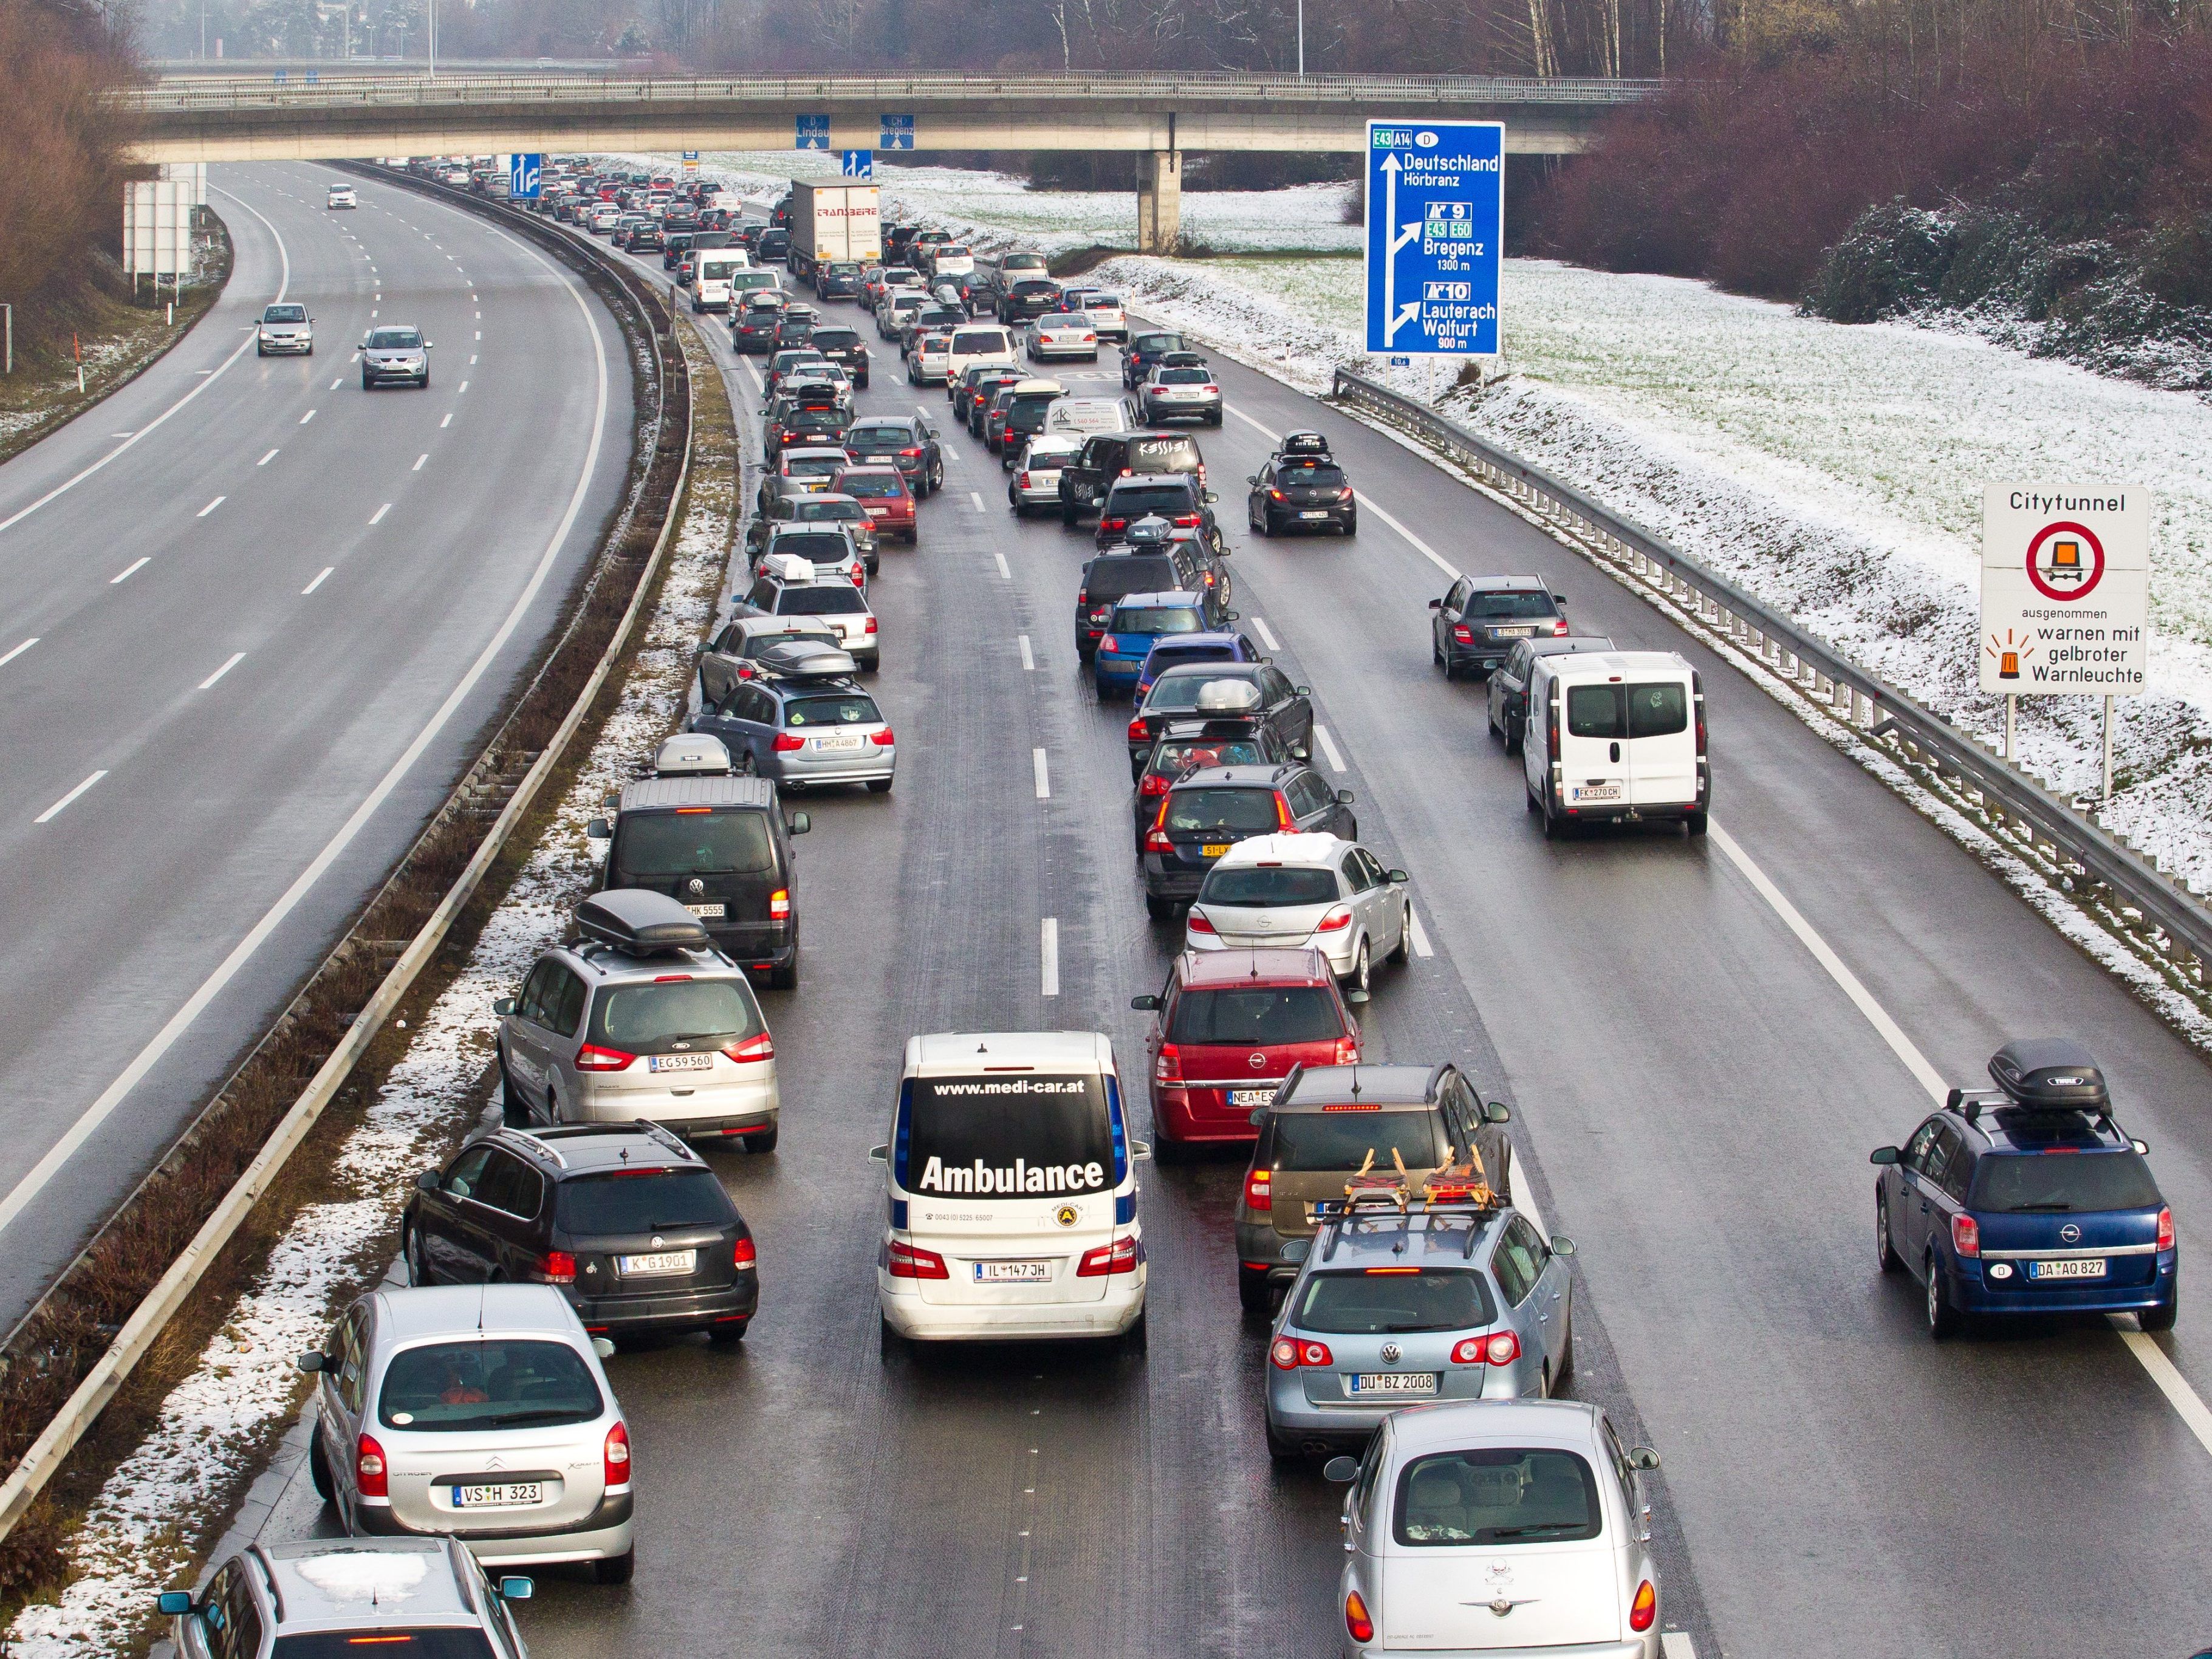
column 807, row 659
column 690, row 754
column 1227, row 698
column 640, row 923
column 2050, row 1074
column 792, row 566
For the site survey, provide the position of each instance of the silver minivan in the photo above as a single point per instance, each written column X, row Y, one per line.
column 1616, row 737
column 479, row 1411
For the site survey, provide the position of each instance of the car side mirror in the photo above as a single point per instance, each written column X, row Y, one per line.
column 599, row 829
column 176, row 1603
column 1211, row 498
column 2142, row 1147
column 1141, row 1151
column 930, row 431
column 800, row 822
column 1251, row 477
column 1435, row 604
column 1883, row 1155
column 429, row 345
column 1301, row 690
column 503, row 1007
column 1344, row 798
column 1559, row 598
column 1397, row 878
column 1259, row 1116
column 1341, row 1470
column 426, row 1182
column 1562, row 1245
column 1355, row 996
column 879, row 1154
column 515, row 1588
column 1145, row 1004
column 602, row 1347
column 312, row 1361
column 1497, row 1111
column 1643, row 1457
column 1232, row 616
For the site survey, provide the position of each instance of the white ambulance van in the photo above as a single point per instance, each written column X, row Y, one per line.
column 1616, row 736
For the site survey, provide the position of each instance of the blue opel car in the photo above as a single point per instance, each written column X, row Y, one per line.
column 2028, row 1200
column 1174, row 650
column 1139, row 619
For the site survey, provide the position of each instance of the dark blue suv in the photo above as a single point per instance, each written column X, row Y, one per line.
column 2028, row 1198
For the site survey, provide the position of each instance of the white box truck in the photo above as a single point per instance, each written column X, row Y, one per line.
column 833, row 222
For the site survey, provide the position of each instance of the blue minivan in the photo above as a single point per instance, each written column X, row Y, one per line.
column 1139, row 621
column 2028, row 1199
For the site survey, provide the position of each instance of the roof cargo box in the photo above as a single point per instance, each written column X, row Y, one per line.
column 2050, row 1074
column 690, row 753
column 641, row 923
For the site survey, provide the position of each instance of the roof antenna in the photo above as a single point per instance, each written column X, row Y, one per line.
column 480, row 1302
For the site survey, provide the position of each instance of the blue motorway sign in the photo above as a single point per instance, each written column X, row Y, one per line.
column 526, row 173
column 857, row 163
column 898, row 132
column 1436, row 221
column 813, row 132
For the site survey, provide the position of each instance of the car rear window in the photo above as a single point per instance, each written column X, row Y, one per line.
column 642, row 1202
column 1029, row 1133
column 1255, row 1016
column 1156, row 343
column 1498, row 1495
column 1162, row 455
column 1240, row 812
column 981, row 339
column 813, row 509
column 1341, row 1139
column 1145, row 619
column 1177, row 758
column 1312, row 475
column 828, row 599
column 425, row 1642
column 452, row 1388
column 838, row 709
column 2017, row 1183
column 1028, row 404
column 837, row 339
column 1519, row 603
column 1257, row 887
column 1166, row 656
column 1128, row 572
column 1125, row 502
column 875, row 438
column 1393, row 1303
column 823, row 546
column 1655, row 710
column 1184, row 377
column 639, row 1018
column 1173, row 692
column 659, row 845
column 872, row 488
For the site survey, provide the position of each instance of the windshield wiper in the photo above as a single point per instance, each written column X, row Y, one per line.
column 2055, row 1204
column 535, row 1414
column 1522, row 1532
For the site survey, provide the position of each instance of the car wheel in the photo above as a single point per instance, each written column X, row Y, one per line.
column 879, row 786
column 1563, row 1372
column 1554, row 825
column 1885, row 1252
column 2162, row 1317
column 728, row 1336
column 1402, row 951
column 1158, row 908
column 889, row 1344
column 616, row 1569
column 784, row 978
column 260, row 351
column 1252, row 1293
column 318, row 1467
column 1351, row 525
column 418, row 1266
column 763, row 1140
column 1282, row 1450
column 1134, row 1338
column 1696, row 823
column 1067, row 515
column 1363, row 969
column 1513, row 738
column 367, row 385
column 1942, row 1317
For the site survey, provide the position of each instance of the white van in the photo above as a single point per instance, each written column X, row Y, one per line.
column 1084, row 415
column 982, row 343
column 1013, row 1184
column 1616, row 736
column 711, row 277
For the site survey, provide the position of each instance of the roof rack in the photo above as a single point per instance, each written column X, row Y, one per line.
column 1449, row 1189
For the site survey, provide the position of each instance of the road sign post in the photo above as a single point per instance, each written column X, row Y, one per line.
column 525, row 175
column 1436, row 227
column 857, row 163
column 2065, row 596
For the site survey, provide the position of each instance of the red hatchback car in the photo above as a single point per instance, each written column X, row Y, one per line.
column 882, row 491
column 1230, row 1025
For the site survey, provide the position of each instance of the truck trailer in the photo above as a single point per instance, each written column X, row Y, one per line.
column 830, row 223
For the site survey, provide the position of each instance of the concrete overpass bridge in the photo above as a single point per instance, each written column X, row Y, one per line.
column 307, row 115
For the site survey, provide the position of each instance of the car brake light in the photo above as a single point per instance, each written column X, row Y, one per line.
column 859, row 576
column 1468, row 1353
column 1210, row 391
column 912, row 1262
column 617, row 1457
column 1336, row 920
column 1283, row 819
column 787, row 743
column 557, row 1268
column 1347, row 1051
column 2166, row 1229
column 593, row 1058
column 1156, row 839
column 911, row 454
column 1167, row 1066
column 1155, row 783
column 779, row 905
column 1559, row 629
column 369, row 1477
column 1344, row 494
column 1113, row 524
column 870, row 627
column 1199, row 924
column 1355, row 1619
column 1499, row 1348
column 753, row 1048
column 1119, row 1257
column 1464, row 635
column 1289, row 1353
column 1275, row 495
column 1259, row 1190
column 1091, row 339
column 1186, row 521
column 1022, row 479
column 883, row 740
column 742, row 1255
column 1967, row 1236
column 1643, row 1612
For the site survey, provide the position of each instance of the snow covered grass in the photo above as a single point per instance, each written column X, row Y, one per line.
column 155, row 1514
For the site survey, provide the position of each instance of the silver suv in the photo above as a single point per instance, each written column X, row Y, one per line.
column 641, row 1019
column 328, row 1595
column 478, row 1411
column 394, row 353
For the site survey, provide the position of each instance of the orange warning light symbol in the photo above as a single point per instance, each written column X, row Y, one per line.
column 2009, row 650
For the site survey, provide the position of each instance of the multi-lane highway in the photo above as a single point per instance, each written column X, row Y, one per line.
column 1702, row 1039
column 253, row 623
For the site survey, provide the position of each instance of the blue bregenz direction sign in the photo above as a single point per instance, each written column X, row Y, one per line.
column 1436, row 218
column 898, row 132
column 525, row 175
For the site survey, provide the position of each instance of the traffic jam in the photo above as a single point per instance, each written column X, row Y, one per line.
column 1416, row 1314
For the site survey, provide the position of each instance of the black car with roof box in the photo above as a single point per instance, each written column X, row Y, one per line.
column 1201, row 817
column 1300, row 491
column 1112, row 577
column 1108, row 456
column 1181, row 498
column 1027, row 297
column 1283, row 709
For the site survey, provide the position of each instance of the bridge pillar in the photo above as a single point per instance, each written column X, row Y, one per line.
column 1159, row 200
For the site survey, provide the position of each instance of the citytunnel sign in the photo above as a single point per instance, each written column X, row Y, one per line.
column 2065, row 590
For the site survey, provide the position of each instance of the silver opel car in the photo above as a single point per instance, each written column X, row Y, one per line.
column 285, row 328
column 329, row 1596
column 397, row 353
column 479, row 1411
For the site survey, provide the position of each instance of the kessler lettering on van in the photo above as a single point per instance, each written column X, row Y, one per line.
column 1019, row 1177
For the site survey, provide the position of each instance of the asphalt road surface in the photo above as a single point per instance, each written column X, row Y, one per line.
column 253, row 623
column 1695, row 1094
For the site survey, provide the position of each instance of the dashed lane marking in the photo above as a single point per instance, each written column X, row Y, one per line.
column 1327, row 747
column 1043, row 776
column 265, row 459
column 237, row 658
column 1028, row 659
column 419, row 459
column 1048, row 950
column 8, row 657
column 211, row 506
column 129, row 571
column 1266, row 633
column 318, row 580
column 976, row 496
column 306, row 417
column 63, row 805
column 1421, row 946
column 377, row 517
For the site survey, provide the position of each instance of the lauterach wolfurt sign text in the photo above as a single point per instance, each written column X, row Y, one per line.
column 2065, row 590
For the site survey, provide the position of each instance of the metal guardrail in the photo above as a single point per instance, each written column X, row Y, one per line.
column 2075, row 844
column 184, row 95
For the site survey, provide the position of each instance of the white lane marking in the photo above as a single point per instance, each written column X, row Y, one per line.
column 306, row 417
column 211, row 506
column 62, row 806
column 480, row 334
column 122, row 435
column 1421, row 946
column 2186, row 1403
column 129, row 571
column 472, row 299
column 1268, row 433
column 8, row 657
column 284, row 282
column 759, row 385
column 203, row 371
column 1266, row 633
column 472, row 359
column 1048, row 947
column 265, row 459
column 951, row 454
column 1003, row 570
column 480, row 316
column 1043, row 777
column 371, row 312
column 1368, row 504
column 447, row 422
column 377, row 517
column 460, row 389
column 318, row 580
column 236, row 657
column 88, row 1123
column 1677, row 1644
column 336, row 384
column 1327, row 747
column 1029, row 660
column 419, row 459
column 976, row 496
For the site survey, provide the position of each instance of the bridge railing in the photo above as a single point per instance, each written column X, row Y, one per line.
column 189, row 93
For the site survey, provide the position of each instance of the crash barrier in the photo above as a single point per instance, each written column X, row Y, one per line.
column 2081, row 857
column 658, row 487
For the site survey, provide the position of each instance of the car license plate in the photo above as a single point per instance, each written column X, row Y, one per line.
column 660, row 1262
column 1321, row 514
column 505, row 1495
column 1013, row 1272
column 680, row 1063
column 1394, row 1383
column 709, row 912
column 2074, row 1268
column 1214, row 849
column 848, row 741
column 1597, row 792
column 1510, row 633
column 1250, row 1097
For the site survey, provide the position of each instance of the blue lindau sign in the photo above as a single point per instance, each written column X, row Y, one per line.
column 526, row 173
column 898, row 132
column 813, row 132
column 857, row 163
column 1436, row 221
